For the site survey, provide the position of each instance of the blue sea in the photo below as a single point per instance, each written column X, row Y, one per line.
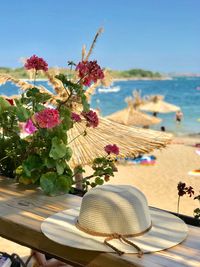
column 183, row 92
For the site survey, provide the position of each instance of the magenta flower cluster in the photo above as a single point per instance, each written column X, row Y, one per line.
column 47, row 118
column 91, row 118
column 114, row 149
column 36, row 63
column 75, row 117
column 30, row 127
column 89, row 71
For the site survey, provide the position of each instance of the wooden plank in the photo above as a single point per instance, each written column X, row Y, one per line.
column 22, row 210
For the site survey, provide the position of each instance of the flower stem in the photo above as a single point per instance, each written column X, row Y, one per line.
column 84, row 179
column 34, row 79
column 77, row 136
column 178, row 205
column 87, row 178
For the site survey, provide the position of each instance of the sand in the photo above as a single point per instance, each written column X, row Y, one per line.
column 158, row 182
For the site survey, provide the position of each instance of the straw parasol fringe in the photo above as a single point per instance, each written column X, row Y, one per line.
column 132, row 141
column 158, row 105
column 137, row 99
column 130, row 116
column 22, row 84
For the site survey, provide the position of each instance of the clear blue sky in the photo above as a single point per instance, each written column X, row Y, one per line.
column 159, row 35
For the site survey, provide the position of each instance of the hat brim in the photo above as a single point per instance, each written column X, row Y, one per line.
column 167, row 231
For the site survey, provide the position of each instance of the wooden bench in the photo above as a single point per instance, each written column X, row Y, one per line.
column 22, row 212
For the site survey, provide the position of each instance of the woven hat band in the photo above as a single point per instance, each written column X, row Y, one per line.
column 112, row 236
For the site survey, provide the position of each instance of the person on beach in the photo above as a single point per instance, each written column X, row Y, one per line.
column 154, row 114
column 42, row 260
column 162, row 128
column 179, row 116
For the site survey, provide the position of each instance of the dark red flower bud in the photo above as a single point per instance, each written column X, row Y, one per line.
column 11, row 101
column 190, row 191
column 112, row 149
column 181, row 189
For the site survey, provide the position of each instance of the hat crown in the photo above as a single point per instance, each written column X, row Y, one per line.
column 112, row 209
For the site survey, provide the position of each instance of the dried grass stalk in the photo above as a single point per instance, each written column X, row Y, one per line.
column 93, row 43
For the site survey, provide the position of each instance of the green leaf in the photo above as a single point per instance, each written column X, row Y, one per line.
column 68, row 154
column 22, row 113
column 4, row 105
column 32, row 92
column 65, row 114
column 73, row 87
column 47, row 182
column 68, row 170
column 59, row 132
column 63, row 184
column 25, row 180
column 85, row 103
column 19, row 170
column 60, row 167
column 79, row 169
column 32, row 163
column 58, row 149
column 39, row 107
column 49, row 162
column 52, row 184
column 197, row 213
column 99, row 181
column 93, row 184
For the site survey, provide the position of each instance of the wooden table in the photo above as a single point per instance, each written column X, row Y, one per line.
column 22, row 212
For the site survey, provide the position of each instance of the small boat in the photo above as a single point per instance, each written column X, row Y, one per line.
column 113, row 89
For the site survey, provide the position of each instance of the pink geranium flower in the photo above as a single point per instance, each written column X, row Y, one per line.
column 29, row 127
column 76, row 117
column 91, row 118
column 47, row 118
column 114, row 149
column 36, row 63
column 89, row 71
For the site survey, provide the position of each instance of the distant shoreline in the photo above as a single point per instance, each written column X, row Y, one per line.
column 143, row 79
column 32, row 80
column 115, row 79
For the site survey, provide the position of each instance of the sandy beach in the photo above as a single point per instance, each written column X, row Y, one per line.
column 158, row 182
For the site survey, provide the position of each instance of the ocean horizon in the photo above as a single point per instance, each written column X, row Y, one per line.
column 181, row 91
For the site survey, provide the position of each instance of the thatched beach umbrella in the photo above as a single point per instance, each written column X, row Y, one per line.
column 130, row 116
column 156, row 104
column 131, row 141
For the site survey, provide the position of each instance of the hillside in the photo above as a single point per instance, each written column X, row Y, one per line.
column 125, row 74
column 135, row 73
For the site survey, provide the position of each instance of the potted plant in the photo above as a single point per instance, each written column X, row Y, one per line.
column 183, row 189
column 34, row 129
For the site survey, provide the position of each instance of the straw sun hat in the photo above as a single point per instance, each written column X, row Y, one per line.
column 115, row 218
